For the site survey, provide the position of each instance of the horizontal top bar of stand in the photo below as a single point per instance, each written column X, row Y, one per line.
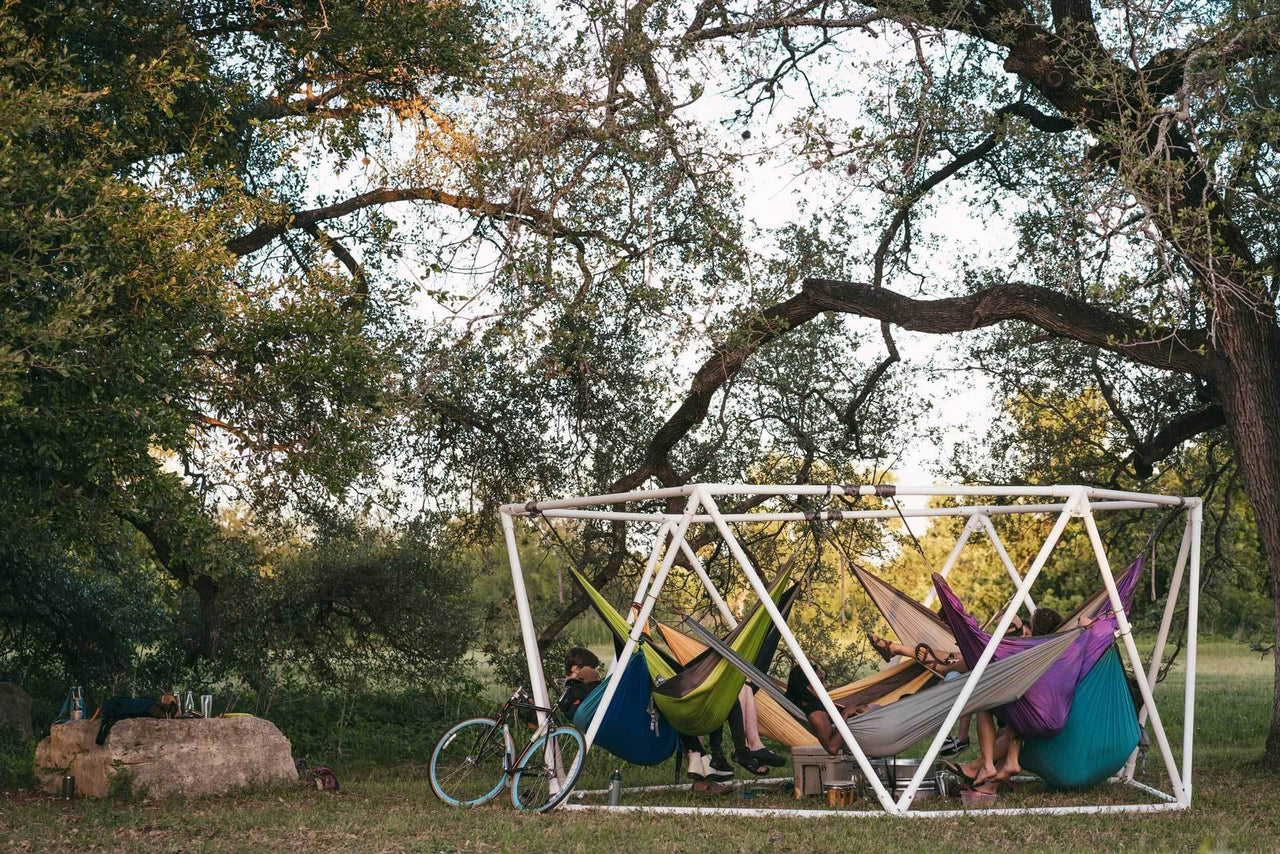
column 794, row 516
column 851, row 490
column 837, row 515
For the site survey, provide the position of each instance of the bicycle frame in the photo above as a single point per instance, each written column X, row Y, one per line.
column 508, row 711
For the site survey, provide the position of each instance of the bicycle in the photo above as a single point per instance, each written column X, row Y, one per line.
column 474, row 753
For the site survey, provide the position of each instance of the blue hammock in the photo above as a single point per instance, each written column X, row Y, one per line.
column 1100, row 733
column 632, row 730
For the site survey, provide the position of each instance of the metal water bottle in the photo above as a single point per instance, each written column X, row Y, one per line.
column 615, row 788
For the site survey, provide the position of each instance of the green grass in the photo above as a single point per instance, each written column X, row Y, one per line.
column 392, row 809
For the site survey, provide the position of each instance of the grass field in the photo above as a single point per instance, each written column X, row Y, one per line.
column 391, row 809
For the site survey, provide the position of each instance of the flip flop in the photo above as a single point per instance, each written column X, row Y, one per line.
column 959, row 772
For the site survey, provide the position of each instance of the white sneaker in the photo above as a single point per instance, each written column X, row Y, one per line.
column 699, row 765
column 718, row 768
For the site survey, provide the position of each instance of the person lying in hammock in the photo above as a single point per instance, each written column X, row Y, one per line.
column 948, row 663
column 800, row 692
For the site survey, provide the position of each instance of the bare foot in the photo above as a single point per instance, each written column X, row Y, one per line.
column 988, row 787
column 1006, row 772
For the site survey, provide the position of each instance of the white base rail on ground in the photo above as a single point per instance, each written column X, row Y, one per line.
column 1066, row 502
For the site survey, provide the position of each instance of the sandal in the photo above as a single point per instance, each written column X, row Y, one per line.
column 924, row 652
column 768, row 757
column 881, row 646
column 750, row 761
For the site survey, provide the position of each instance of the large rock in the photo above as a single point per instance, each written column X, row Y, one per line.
column 194, row 756
column 15, row 708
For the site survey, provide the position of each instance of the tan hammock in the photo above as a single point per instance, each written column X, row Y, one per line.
column 884, row 687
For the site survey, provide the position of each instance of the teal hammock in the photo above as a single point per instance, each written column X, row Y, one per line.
column 1100, row 733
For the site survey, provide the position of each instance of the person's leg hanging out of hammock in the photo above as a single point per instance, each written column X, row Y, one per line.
column 751, row 729
column 992, row 747
column 720, row 769
column 741, row 754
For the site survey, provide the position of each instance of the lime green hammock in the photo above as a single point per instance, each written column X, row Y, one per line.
column 698, row 698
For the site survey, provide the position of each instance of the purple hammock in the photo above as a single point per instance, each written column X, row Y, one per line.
column 1042, row 710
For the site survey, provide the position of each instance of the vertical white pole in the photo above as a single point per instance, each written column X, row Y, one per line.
column 1125, row 632
column 1193, row 631
column 998, row 544
column 766, row 601
column 977, row 668
column 970, row 525
column 533, row 657
column 637, row 629
column 721, row 605
column 1166, row 620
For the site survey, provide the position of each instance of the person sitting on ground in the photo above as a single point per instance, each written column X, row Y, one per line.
column 800, row 692
column 580, row 678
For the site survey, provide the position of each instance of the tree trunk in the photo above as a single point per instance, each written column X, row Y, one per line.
column 1248, row 379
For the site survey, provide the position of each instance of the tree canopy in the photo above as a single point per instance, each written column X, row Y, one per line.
column 336, row 265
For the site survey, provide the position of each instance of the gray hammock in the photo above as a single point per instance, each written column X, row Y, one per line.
column 893, row 728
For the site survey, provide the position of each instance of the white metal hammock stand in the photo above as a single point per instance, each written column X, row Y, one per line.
column 1067, row 502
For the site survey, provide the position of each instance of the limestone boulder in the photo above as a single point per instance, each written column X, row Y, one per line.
column 165, row 758
column 15, row 709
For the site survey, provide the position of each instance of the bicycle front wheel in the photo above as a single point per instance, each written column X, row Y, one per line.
column 470, row 762
column 548, row 770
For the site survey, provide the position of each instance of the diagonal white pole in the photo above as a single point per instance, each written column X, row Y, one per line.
column 533, row 657
column 637, row 629
column 998, row 544
column 970, row 526
column 1125, row 632
column 721, row 605
column 659, row 541
column 1193, row 633
column 977, row 668
column 1166, row 620
column 766, row 601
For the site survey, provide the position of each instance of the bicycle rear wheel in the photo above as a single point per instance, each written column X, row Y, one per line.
column 470, row 762
column 548, row 770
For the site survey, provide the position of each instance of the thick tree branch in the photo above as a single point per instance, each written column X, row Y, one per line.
column 1180, row 429
column 519, row 211
column 359, row 281
column 177, row 565
column 715, row 372
column 1180, row 350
